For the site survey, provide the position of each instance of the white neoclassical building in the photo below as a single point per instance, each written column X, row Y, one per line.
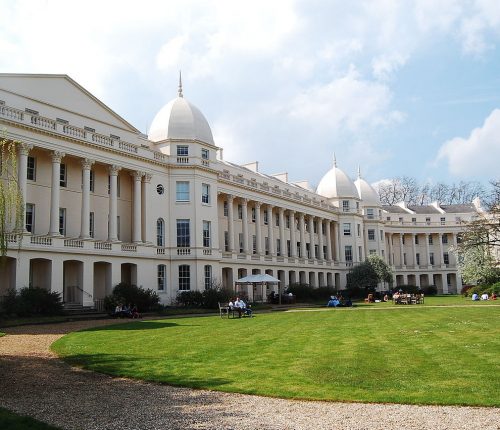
column 106, row 203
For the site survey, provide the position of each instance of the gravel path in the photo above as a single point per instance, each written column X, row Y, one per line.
column 34, row 382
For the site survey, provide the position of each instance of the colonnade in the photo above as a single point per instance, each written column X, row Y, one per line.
column 271, row 211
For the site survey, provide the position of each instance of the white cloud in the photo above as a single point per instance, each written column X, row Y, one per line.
column 384, row 66
column 170, row 54
column 476, row 155
column 348, row 102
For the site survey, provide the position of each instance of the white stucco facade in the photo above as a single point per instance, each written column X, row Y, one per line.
column 107, row 204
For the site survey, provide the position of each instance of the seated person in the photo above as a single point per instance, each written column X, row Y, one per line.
column 348, row 303
column 135, row 312
column 475, row 297
column 484, row 296
column 247, row 309
column 239, row 306
column 334, row 302
column 386, row 298
column 493, row 296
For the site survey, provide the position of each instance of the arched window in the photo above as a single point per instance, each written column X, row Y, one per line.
column 160, row 232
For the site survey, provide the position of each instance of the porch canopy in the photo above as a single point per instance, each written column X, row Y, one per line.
column 261, row 279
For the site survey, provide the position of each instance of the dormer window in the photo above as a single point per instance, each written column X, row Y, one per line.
column 369, row 213
column 204, row 154
column 182, row 150
column 345, row 205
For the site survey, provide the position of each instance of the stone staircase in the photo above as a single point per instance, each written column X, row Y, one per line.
column 76, row 311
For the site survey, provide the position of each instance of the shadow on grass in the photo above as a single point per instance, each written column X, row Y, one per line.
column 137, row 326
column 150, row 369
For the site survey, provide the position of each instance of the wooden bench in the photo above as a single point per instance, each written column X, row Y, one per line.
column 226, row 310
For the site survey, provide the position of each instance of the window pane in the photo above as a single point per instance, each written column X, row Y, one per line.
column 184, row 277
column 182, row 191
column 183, row 237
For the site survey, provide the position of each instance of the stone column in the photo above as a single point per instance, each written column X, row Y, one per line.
column 85, row 217
column 401, row 250
column 302, row 228
column 146, row 222
column 230, row 222
column 321, row 255
column 441, row 250
column 336, row 235
column 55, row 193
column 414, row 248
column 258, row 229
column 293, row 236
column 281, row 215
column 427, row 248
column 391, row 250
column 312, row 242
column 270, row 229
column 244, row 204
column 113, row 203
column 328, row 241
column 22, row 172
column 136, row 212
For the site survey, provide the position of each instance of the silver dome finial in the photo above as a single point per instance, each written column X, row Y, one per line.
column 359, row 172
column 334, row 160
column 180, row 84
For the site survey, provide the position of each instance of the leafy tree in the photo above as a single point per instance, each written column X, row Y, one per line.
column 382, row 269
column 368, row 274
column 11, row 201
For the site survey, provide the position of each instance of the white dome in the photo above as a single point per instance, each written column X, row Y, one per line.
column 366, row 193
column 179, row 119
column 336, row 184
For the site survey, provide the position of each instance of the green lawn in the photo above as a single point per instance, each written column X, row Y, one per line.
column 12, row 421
column 401, row 354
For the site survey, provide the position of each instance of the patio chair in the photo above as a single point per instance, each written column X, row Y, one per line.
column 224, row 309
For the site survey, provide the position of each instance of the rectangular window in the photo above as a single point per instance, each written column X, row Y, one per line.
column 316, row 252
column 226, row 241
column 253, row 214
column 287, row 221
column 324, row 252
column 428, row 220
column 288, row 248
column 443, row 221
column 417, row 255
column 371, row 234
column 161, row 277
column 431, row 258
column 266, row 245
column 404, row 258
column 266, row 217
column 204, row 154
column 444, row 239
column 308, row 250
column 373, row 251
column 381, row 235
column 278, row 247
column 323, row 229
column 315, row 227
column 348, row 253
column 345, row 205
column 414, row 221
column 359, row 229
column 403, row 239
column 183, row 234
column 240, row 212
column 369, row 213
column 360, row 253
column 184, row 277
column 347, row 229
column 226, row 209
column 446, row 258
column 118, row 227
column 430, row 239
column 182, row 191
column 206, row 234
column 182, row 150
column 400, row 220
column 91, row 224
column 205, row 193
column 254, row 244
column 62, row 175
column 416, row 239
column 388, row 218
column 277, row 220
column 240, row 241
column 208, row 276
column 31, row 169
column 62, row 221
column 30, row 217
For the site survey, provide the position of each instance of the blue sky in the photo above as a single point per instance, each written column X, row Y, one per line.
column 398, row 87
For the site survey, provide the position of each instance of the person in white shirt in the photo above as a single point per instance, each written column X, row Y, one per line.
column 484, row 296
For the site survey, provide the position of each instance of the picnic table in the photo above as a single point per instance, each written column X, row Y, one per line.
column 408, row 299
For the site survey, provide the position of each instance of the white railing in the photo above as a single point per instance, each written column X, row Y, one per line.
column 12, row 113
column 129, row 247
column 182, row 160
column 73, row 243
column 207, row 252
column 43, row 122
column 103, row 245
column 183, row 251
column 75, row 131
column 103, row 140
column 160, row 251
column 41, row 240
column 125, row 146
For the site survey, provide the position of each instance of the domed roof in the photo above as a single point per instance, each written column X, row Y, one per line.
column 336, row 184
column 180, row 119
column 366, row 192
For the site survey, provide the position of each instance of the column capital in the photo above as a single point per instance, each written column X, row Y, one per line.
column 57, row 156
column 230, row 198
column 114, row 169
column 87, row 163
column 147, row 178
column 302, row 215
column 270, row 206
column 137, row 175
column 291, row 212
column 244, row 202
column 25, row 148
column 257, row 205
column 281, row 210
